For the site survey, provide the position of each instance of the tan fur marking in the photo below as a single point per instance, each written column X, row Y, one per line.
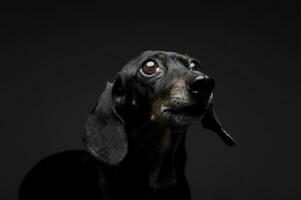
column 176, row 85
column 166, row 140
column 156, row 115
column 180, row 83
column 152, row 117
column 161, row 55
column 180, row 135
column 134, row 102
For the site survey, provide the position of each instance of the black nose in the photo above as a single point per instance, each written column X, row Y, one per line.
column 201, row 85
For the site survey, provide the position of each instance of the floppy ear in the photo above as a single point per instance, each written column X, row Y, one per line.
column 210, row 121
column 105, row 132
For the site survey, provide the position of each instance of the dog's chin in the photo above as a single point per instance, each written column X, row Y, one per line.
column 179, row 119
column 182, row 116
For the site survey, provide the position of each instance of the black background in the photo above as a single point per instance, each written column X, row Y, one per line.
column 56, row 58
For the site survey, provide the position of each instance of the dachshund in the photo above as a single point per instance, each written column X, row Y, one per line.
column 135, row 135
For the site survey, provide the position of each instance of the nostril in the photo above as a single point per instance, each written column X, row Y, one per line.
column 201, row 84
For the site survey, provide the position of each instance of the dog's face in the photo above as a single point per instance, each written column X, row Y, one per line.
column 165, row 89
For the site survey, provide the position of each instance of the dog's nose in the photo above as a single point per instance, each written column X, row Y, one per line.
column 201, row 84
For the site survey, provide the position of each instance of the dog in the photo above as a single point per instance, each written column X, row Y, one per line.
column 135, row 135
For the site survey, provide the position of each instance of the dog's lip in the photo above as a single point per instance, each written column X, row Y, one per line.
column 189, row 109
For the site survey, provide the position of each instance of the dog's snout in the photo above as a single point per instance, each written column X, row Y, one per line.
column 201, row 84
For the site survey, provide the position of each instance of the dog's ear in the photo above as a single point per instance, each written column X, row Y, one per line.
column 105, row 132
column 210, row 121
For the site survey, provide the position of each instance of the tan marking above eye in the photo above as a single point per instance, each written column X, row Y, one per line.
column 161, row 55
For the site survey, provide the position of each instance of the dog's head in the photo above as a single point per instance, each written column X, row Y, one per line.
column 163, row 88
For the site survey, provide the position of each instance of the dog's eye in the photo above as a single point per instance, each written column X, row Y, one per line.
column 149, row 68
column 195, row 65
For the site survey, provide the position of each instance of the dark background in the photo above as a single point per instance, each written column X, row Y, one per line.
column 56, row 58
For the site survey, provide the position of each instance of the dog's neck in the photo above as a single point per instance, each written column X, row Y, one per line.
column 170, row 166
column 162, row 151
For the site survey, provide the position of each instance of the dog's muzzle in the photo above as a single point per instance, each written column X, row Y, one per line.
column 190, row 105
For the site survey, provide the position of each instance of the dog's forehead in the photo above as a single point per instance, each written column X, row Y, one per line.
column 161, row 55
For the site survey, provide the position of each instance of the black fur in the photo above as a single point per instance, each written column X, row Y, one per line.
column 133, row 151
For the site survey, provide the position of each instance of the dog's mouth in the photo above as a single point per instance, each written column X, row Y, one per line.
column 193, row 110
column 183, row 114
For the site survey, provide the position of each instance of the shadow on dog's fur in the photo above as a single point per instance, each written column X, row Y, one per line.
column 135, row 135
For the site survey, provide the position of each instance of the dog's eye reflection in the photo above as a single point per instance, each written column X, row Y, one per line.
column 149, row 68
column 195, row 65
